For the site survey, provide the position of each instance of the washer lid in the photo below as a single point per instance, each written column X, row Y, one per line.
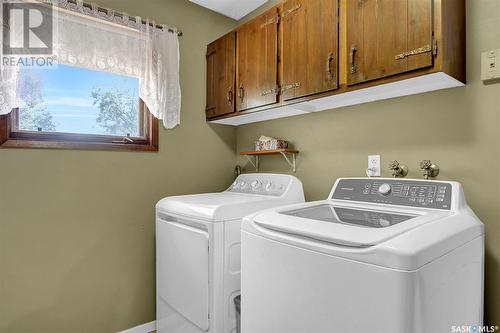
column 215, row 206
column 342, row 225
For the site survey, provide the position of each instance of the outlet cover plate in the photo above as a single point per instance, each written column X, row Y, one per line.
column 490, row 65
column 373, row 166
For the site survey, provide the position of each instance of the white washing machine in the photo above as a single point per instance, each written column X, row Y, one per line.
column 379, row 255
column 198, row 248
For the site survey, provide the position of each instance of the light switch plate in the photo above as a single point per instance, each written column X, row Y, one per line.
column 490, row 65
column 373, row 169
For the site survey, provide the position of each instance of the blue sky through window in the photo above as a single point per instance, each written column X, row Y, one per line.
column 66, row 99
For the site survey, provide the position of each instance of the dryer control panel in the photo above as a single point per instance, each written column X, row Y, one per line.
column 414, row 193
column 263, row 184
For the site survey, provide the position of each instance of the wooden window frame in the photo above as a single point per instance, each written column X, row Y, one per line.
column 12, row 138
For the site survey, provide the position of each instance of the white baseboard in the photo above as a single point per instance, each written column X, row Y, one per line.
column 144, row 328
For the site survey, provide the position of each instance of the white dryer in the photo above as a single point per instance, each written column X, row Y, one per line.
column 198, row 251
column 379, row 255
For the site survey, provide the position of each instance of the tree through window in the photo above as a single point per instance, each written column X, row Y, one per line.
column 76, row 100
column 75, row 105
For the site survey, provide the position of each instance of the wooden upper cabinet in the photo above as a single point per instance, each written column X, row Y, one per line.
column 221, row 71
column 388, row 37
column 310, row 55
column 309, row 52
column 257, row 74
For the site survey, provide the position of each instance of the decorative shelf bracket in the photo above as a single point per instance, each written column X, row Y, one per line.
column 293, row 162
column 289, row 155
column 255, row 161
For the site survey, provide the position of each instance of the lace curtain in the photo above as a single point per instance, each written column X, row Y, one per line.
column 86, row 37
column 9, row 75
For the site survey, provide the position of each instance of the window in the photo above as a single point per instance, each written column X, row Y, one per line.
column 72, row 107
column 81, row 75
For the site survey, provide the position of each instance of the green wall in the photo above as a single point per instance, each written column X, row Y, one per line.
column 77, row 227
column 458, row 129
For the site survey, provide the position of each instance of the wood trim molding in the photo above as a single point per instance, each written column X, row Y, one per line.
column 17, row 143
column 4, row 128
column 23, row 139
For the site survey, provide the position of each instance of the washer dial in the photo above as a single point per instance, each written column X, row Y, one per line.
column 385, row 189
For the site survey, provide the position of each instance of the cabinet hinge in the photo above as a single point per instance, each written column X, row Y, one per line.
column 434, row 47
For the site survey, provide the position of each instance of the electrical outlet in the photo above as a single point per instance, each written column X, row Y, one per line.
column 373, row 166
column 490, row 65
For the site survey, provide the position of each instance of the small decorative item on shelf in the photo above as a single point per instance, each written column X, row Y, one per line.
column 268, row 143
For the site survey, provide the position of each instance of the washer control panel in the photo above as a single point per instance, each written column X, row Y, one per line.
column 263, row 184
column 425, row 194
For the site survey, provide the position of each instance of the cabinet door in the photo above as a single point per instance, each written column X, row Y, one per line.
column 221, row 61
column 257, row 48
column 310, row 47
column 387, row 37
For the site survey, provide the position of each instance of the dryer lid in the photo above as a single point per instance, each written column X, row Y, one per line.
column 347, row 226
column 214, row 206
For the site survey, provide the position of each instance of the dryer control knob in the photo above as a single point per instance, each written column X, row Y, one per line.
column 385, row 189
column 269, row 186
column 243, row 185
column 256, row 185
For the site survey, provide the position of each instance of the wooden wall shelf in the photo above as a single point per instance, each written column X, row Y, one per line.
column 286, row 153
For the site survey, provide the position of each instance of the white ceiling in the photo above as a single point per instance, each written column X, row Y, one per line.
column 235, row 9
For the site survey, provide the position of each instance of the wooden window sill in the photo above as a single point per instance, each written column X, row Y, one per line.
column 12, row 138
column 17, row 143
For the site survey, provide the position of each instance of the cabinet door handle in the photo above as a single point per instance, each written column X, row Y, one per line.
column 329, row 70
column 230, row 96
column 272, row 91
column 291, row 10
column 290, row 86
column 420, row 50
column 241, row 93
column 353, row 59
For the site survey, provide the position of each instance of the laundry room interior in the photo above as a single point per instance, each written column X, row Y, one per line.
column 81, row 213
